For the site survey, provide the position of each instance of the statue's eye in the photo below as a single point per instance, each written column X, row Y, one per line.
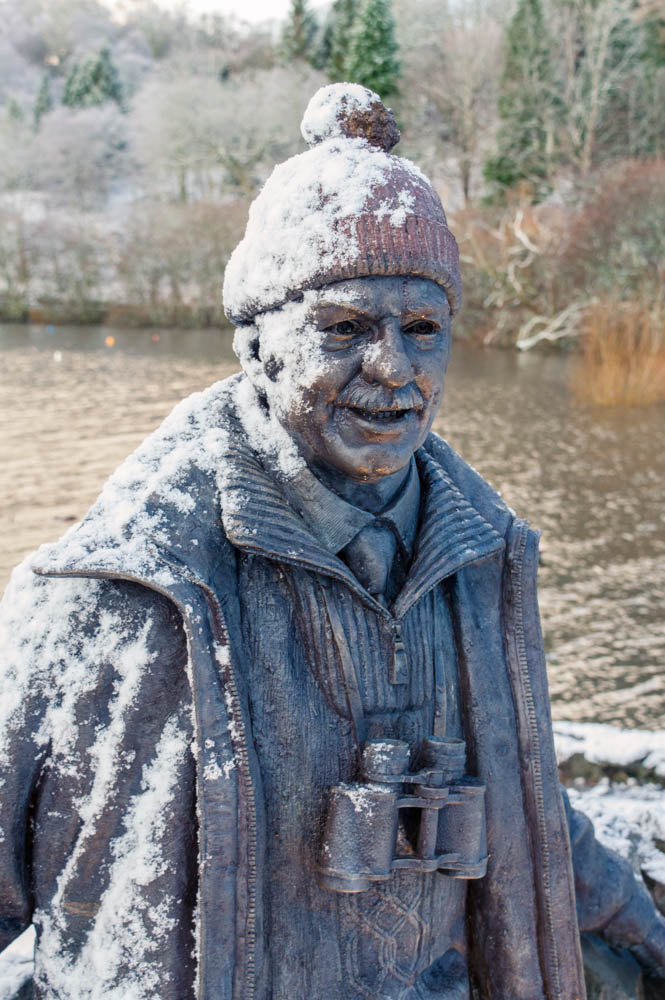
column 346, row 328
column 422, row 328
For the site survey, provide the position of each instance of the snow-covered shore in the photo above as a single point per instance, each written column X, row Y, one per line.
column 628, row 817
column 602, row 744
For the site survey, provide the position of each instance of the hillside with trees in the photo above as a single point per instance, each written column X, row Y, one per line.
column 133, row 139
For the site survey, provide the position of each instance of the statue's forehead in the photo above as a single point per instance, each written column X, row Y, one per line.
column 396, row 293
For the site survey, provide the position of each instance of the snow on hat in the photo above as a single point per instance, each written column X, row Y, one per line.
column 345, row 208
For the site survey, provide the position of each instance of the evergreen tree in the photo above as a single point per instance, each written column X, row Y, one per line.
column 44, row 101
column 654, row 40
column 93, row 82
column 527, row 103
column 14, row 112
column 299, row 33
column 343, row 16
column 324, row 45
column 373, row 58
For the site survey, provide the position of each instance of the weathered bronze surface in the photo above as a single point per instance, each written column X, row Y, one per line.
column 277, row 722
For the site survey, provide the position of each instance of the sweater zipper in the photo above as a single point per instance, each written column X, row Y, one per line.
column 399, row 673
column 516, row 574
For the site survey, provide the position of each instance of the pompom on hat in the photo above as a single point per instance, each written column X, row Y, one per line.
column 345, row 208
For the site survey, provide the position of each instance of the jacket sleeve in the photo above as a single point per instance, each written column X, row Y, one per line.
column 610, row 900
column 23, row 742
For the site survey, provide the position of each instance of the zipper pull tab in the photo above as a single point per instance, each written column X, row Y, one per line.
column 400, row 667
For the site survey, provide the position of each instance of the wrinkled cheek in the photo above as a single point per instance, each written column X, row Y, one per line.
column 431, row 389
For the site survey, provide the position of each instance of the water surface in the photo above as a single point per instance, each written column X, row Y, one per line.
column 593, row 481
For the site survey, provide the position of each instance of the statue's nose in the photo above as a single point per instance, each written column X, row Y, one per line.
column 385, row 359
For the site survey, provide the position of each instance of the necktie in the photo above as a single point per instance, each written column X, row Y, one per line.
column 370, row 556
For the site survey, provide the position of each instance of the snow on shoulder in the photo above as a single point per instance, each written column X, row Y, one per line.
column 158, row 489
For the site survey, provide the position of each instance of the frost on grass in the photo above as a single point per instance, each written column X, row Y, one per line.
column 115, row 962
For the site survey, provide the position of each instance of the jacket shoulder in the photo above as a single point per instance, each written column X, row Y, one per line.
column 161, row 505
column 480, row 494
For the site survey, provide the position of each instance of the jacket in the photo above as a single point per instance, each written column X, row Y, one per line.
column 132, row 822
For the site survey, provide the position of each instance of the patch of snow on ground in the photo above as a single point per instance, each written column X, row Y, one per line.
column 603, row 744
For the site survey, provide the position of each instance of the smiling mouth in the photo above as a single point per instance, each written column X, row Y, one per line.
column 380, row 416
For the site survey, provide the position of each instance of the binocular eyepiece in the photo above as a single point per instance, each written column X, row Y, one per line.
column 361, row 832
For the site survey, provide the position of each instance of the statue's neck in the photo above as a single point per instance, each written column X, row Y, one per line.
column 369, row 496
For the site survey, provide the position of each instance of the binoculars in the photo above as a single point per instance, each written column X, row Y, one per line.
column 360, row 843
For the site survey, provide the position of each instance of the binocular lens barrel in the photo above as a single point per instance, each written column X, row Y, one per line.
column 360, row 838
column 385, row 760
column 446, row 754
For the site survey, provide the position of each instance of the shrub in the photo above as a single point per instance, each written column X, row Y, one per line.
column 508, row 260
column 615, row 245
column 172, row 261
column 623, row 354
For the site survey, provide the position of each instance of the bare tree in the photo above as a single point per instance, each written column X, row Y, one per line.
column 78, row 153
column 199, row 138
column 451, row 66
column 600, row 47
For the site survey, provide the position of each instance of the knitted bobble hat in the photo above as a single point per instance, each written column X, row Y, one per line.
column 345, row 208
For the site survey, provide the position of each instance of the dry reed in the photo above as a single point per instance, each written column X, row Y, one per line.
column 623, row 355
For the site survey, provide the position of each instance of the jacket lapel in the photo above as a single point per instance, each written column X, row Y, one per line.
column 452, row 534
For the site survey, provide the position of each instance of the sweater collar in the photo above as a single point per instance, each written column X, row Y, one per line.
column 335, row 521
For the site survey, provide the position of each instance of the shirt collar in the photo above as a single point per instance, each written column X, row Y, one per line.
column 335, row 521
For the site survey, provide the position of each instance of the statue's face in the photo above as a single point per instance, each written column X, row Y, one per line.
column 382, row 347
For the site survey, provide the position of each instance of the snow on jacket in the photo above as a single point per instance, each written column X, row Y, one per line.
column 130, row 803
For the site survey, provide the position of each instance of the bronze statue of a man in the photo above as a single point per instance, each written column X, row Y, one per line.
column 275, row 722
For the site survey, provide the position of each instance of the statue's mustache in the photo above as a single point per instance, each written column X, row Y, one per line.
column 362, row 396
